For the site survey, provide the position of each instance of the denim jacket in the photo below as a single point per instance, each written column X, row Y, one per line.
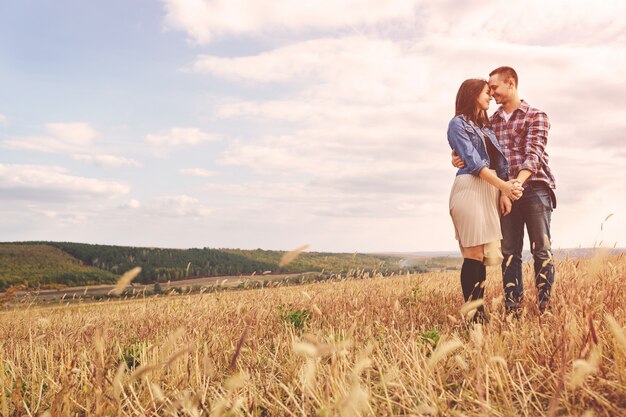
column 465, row 138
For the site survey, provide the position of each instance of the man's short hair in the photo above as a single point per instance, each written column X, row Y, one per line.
column 505, row 72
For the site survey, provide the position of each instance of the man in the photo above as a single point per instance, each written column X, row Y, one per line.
column 522, row 132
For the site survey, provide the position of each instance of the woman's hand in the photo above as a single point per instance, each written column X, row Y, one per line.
column 505, row 205
column 457, row 162
column 512, row 189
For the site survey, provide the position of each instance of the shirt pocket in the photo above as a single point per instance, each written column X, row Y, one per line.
column 519, row 137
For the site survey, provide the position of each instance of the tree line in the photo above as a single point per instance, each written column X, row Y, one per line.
column 162, row 265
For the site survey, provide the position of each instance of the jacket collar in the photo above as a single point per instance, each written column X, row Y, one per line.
column 469, row 122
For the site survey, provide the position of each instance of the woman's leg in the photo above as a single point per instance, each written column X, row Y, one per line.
column 471, row 271
column 473, row 275
column 476, row 253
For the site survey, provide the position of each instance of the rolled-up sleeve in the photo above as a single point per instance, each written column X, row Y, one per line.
column 460, row 141
column 536, row 142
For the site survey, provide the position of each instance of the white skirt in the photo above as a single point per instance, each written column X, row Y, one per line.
column 474, row 211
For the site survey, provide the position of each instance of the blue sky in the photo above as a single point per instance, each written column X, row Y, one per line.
column 192, row 123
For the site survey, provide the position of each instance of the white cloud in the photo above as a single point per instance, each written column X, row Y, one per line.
column 79, row 134
column 535, row 22
column 360, row 110
column 132, row 204
column 179, row 136
column 162, row 143
column 63, row 137
column 197, row 172
column 351, row 152
column 374, row 197
column 360, row 69
column 78, row 139
column 205, row 19
column 35, row 143
column 65, row 218
column 50, row 183
column 180, row 206
column 3, row 119
column 107, row 161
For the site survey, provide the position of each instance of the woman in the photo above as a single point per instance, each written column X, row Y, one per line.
column 475, row 192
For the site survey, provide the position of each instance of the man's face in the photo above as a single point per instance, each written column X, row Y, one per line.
column 499, row 89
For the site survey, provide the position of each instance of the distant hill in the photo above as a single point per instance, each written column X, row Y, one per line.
column 68, row 263
column 584, row 252
column 44, row 266
column 447, row 259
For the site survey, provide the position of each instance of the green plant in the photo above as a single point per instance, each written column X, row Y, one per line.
column 413, row 297
column 297, row 318
column 431, row 336
column 131, row 354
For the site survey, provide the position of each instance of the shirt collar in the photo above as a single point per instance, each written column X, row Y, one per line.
column 523, row 107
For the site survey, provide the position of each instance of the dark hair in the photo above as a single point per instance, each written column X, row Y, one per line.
column 466, row 101
column 506, row 72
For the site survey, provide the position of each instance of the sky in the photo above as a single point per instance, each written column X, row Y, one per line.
column 273, row 124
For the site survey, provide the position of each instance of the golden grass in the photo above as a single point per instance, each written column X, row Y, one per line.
column 367, row 349
column 291, row 255
column 125, row 280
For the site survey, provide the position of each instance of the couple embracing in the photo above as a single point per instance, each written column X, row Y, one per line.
column 502, row 184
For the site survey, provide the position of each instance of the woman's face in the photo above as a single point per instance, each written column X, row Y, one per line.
column 484, row 98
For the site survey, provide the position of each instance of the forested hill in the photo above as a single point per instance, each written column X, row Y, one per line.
column 44, row 266
column 170, row 264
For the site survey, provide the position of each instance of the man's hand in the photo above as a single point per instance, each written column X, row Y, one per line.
column 517, row 191
column 512, row 189
column 505, row 205
column 457, row 162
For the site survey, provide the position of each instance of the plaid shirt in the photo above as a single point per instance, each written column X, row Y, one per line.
column 523, row 141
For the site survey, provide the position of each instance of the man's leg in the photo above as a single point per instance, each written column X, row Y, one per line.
column 512, row 244
column 537, row 216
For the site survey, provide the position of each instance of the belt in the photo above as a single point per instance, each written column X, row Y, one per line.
column 541, row 185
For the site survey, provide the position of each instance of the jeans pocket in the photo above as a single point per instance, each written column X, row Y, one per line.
column 546, row 199
column 539, row 201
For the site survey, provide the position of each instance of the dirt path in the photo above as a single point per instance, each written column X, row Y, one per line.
column 90, row 291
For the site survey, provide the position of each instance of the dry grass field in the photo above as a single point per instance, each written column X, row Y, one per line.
column 395, row 346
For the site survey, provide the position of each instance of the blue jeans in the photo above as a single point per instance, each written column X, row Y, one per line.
column 534, row 210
